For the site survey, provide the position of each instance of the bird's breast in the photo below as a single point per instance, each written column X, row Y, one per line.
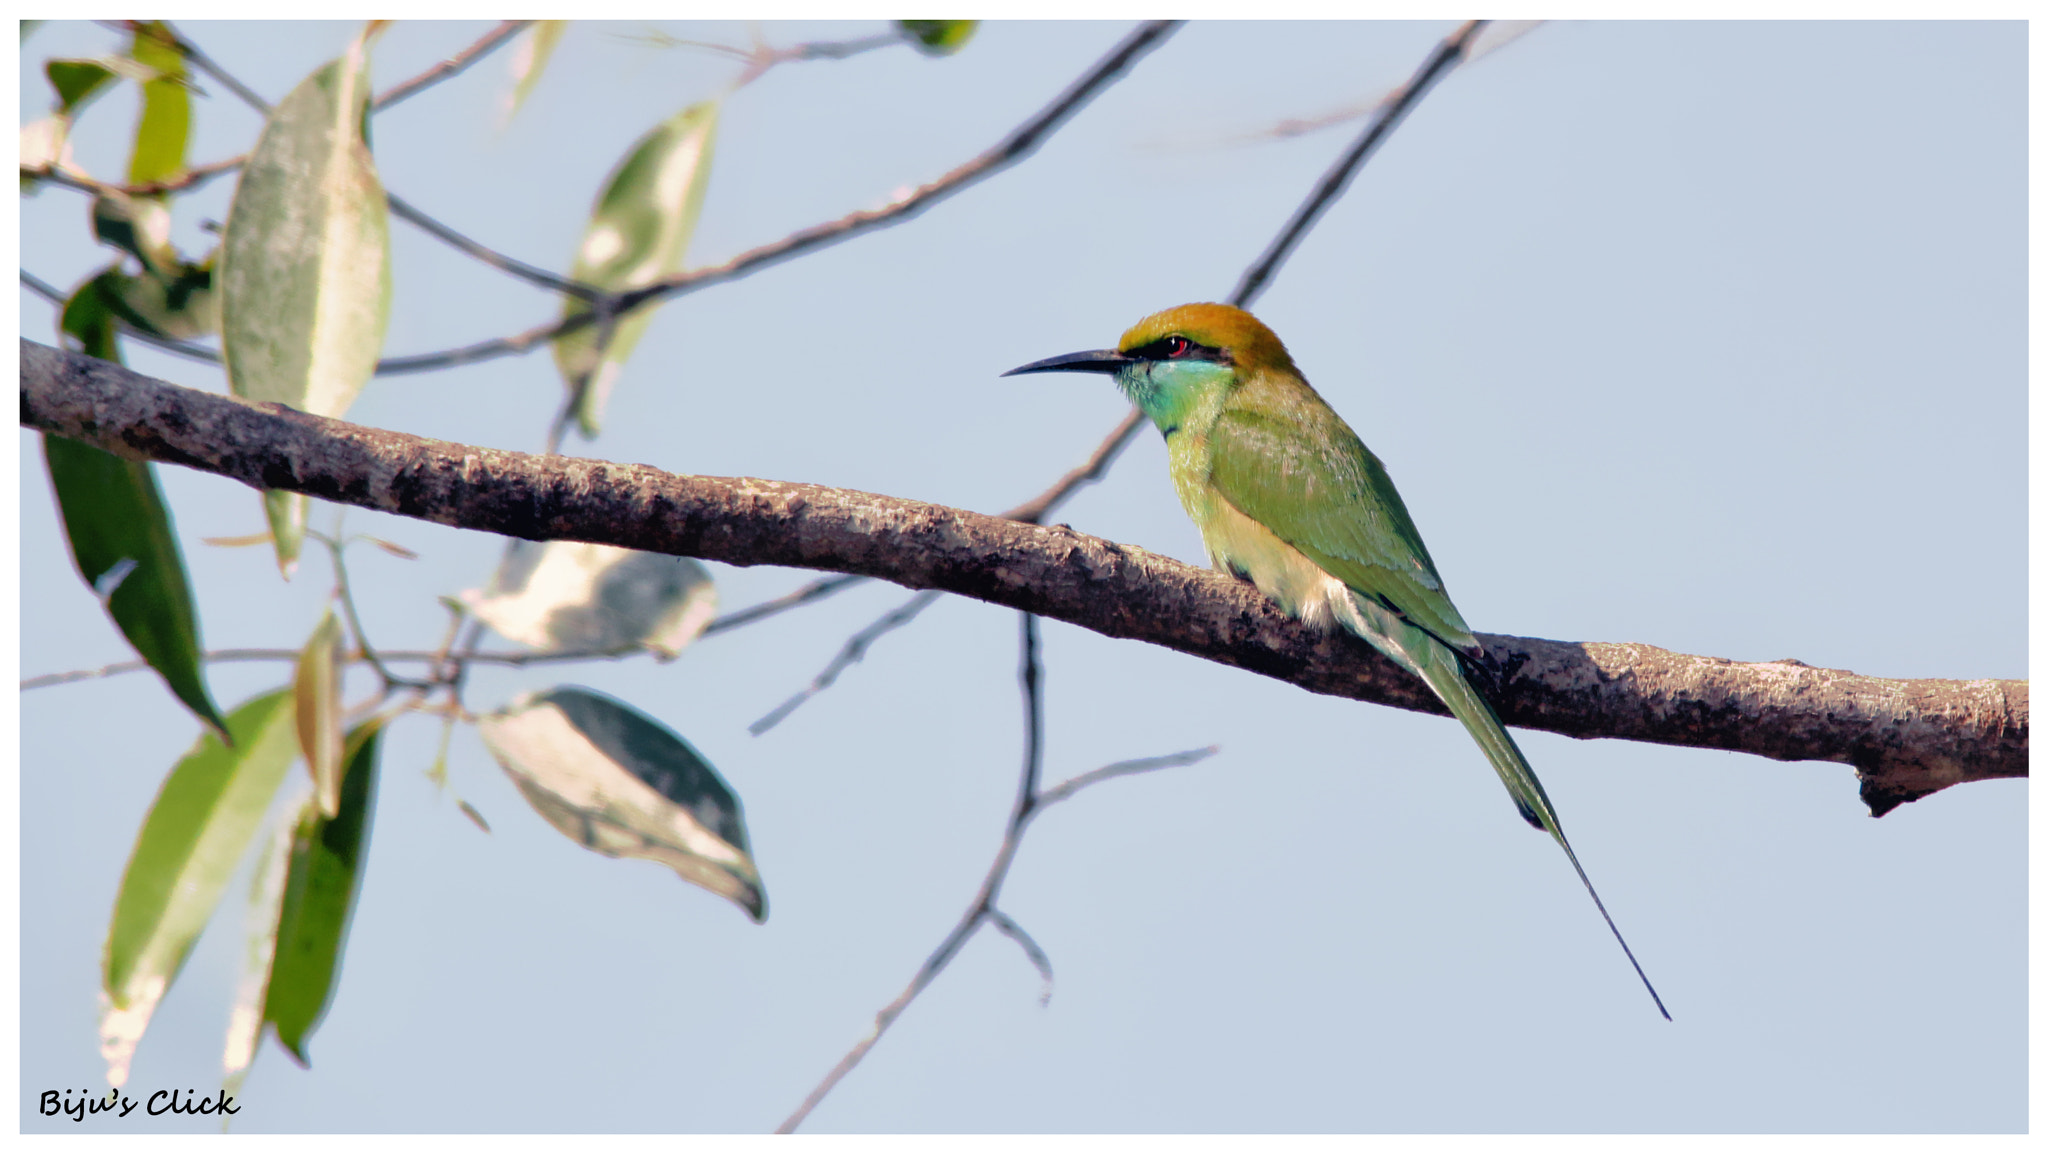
column 1239, row 545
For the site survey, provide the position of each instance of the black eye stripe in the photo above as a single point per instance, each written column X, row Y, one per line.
column 1175, row 347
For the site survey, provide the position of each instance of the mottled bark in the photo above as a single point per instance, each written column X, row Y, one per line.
column 1906, row 738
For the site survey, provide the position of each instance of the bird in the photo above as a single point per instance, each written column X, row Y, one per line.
column 1287, row 496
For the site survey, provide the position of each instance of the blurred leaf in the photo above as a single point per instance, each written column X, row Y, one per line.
column 45, row 144
column 469, row 811
column 196, row 832
column 325, row 874
column 77, row 82
column 238, row 542
column 620, row 783
column 553, row 596
column 139, row 225
column 266, row 900
column 939, row 37
column 165, row 125
column 316, row 697
column 305, row 273
column 29, row 26
column 286, row 513
column 88, row 317
column 182, row 305
column 116, row 521
column 529, row 60
column 637, row 234
column 392, row 547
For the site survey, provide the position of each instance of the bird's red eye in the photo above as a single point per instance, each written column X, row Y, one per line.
column 1178, row 346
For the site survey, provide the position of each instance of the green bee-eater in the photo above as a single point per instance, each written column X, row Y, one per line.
column 1286, row 494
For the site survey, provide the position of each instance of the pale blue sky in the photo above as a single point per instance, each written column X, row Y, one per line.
column 1709, row 336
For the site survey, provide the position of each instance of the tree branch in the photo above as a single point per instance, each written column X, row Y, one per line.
column 1906, row 738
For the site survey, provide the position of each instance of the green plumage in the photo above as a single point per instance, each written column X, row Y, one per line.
column 1285, row 494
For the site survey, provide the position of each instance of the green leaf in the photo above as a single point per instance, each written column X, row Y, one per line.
column 530, row 60
column 305, row 273
column 637, row 234
column 165, row 125
column 121, row 536
column 316, row 697
column 616, row 781
column 89, row 314
column 266, row 900
column 939, row 37
column 325, row 874
column 77, row 82
column 556, row 596
column 196, row 832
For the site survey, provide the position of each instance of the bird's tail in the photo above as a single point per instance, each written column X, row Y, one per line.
column 1439, row 667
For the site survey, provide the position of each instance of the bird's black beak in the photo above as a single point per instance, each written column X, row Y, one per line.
column 1096, row 361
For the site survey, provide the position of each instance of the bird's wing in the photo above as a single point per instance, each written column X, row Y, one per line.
column 1306, row 476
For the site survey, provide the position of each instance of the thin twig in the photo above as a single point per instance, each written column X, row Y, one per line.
column 1030, row 681
column 42, row 288
column 1029, row 804
column 1076, row 784
column 803, row 595
column 762, row 59
column 856, row 647
column 1327, row 190
column 433, row 658
column 489, row 43
column 1032, row 951
column 170, row 38
column 190, row 178
column 1500, row 34
column 1015, row 147
column 1088, row 472
column 519, row 268
column 355, row 621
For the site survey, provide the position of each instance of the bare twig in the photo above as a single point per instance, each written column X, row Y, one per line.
column 803, row 595
column 763, row 58
column 42, row 288
column 1332, row 185
column 1037, row 509
column 190, row 178
column 170, row 38
column 1032, row 951
column 1030, row 802
column 355, row 621
column 488, row 43
column 489, row 256
column 1499, row 34
column 119, row 667
column 1015, row 147
column 856, row 647
column 1079, row 782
